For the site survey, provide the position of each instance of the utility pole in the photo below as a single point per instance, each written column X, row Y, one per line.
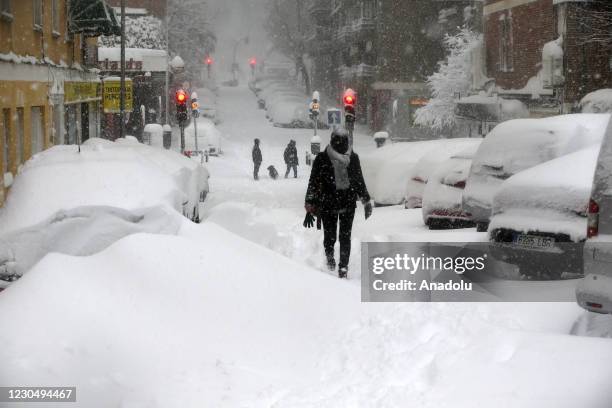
column 122, row 91
column 167, row 97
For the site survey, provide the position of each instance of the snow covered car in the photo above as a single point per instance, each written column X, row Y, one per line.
column 442, row 195
column 517, row 145
column 102, row 174
column 594, row 292
column 385, row 170
column 539, row 220
column 428, row 164
column 209, row 137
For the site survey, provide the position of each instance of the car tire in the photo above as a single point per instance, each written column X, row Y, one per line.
column 482, row 226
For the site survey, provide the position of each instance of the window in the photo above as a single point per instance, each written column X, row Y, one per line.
column 6, row 131
column 55, row 16
column 369, row 9
column 506, row 57
column 6, row 12
column 20, row 136
column 38, row 134
column 37, row 13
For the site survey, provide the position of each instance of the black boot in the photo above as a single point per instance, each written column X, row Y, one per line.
column 343, row 272
column 331, row 263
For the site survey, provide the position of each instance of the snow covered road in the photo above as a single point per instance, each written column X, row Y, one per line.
column 236, row 312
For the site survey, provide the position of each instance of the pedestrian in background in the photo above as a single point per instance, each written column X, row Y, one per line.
column 257, row 159
column 291, row 159
column 336, row 182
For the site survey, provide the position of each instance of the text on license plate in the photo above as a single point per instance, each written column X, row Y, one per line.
column 534, row 241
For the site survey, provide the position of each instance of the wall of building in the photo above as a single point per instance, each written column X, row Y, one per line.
column 533, row 25
column 587, row 63
column 37, row 85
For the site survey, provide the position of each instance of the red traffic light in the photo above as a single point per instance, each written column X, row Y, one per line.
column 349, row 97
column 253, row 62
column 209, row 61
column 181, row 97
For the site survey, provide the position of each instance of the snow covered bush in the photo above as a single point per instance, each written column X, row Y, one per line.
column 140, row 32
column 453, row 76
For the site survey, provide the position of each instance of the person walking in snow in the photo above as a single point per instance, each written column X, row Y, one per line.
column 336, row 182
column 291, row 159
column 257, row 159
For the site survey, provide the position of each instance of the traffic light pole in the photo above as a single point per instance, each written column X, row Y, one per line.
column 182, row 127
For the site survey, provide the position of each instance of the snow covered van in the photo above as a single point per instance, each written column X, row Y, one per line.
column 594, row 293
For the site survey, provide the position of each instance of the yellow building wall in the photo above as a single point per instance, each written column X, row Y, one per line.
column 20, row 37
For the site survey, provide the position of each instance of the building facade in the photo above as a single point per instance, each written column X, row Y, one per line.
column 384, row 50
column 47, row 93
column 547, row 53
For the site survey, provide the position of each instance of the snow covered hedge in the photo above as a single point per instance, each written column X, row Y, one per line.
column 140, row 32
column 599, row 101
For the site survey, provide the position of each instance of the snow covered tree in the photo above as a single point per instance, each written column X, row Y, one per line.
column 453, row 77
column 286, row 28
column 189, row 33
column 140, row 32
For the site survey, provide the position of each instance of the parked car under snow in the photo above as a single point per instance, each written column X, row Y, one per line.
column 442, row 195
column 539, row 219
column 427, row 166
column 517, row 145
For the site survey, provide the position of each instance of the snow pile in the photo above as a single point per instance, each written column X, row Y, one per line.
column 599, row 101
column 162, row 321
column 79, row 231
column 516, row 145
column 429, row 163
column 228, row 331
column 552, row 197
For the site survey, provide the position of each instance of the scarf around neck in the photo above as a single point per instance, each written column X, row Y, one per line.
column 340, row 163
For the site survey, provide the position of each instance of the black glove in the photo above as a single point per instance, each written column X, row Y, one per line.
column 367, row 207
column 309, row 221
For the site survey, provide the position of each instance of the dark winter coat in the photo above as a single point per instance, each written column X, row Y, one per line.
column 322, row 192
column 291, row 156
column 257, row 158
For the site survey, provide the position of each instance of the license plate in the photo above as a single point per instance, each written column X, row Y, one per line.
column 534, row 241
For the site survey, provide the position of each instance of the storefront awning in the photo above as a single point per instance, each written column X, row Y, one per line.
column 92, row 18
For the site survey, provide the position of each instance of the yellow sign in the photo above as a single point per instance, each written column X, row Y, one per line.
column 81, row 92
column 112, row 96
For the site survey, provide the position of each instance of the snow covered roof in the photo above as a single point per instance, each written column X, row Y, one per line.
column 152, row 60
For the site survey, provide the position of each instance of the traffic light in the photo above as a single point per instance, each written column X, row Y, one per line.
column 253, row 64
column 208, row 61
column 350, row 100
column 195, row 106
column 181, row 106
